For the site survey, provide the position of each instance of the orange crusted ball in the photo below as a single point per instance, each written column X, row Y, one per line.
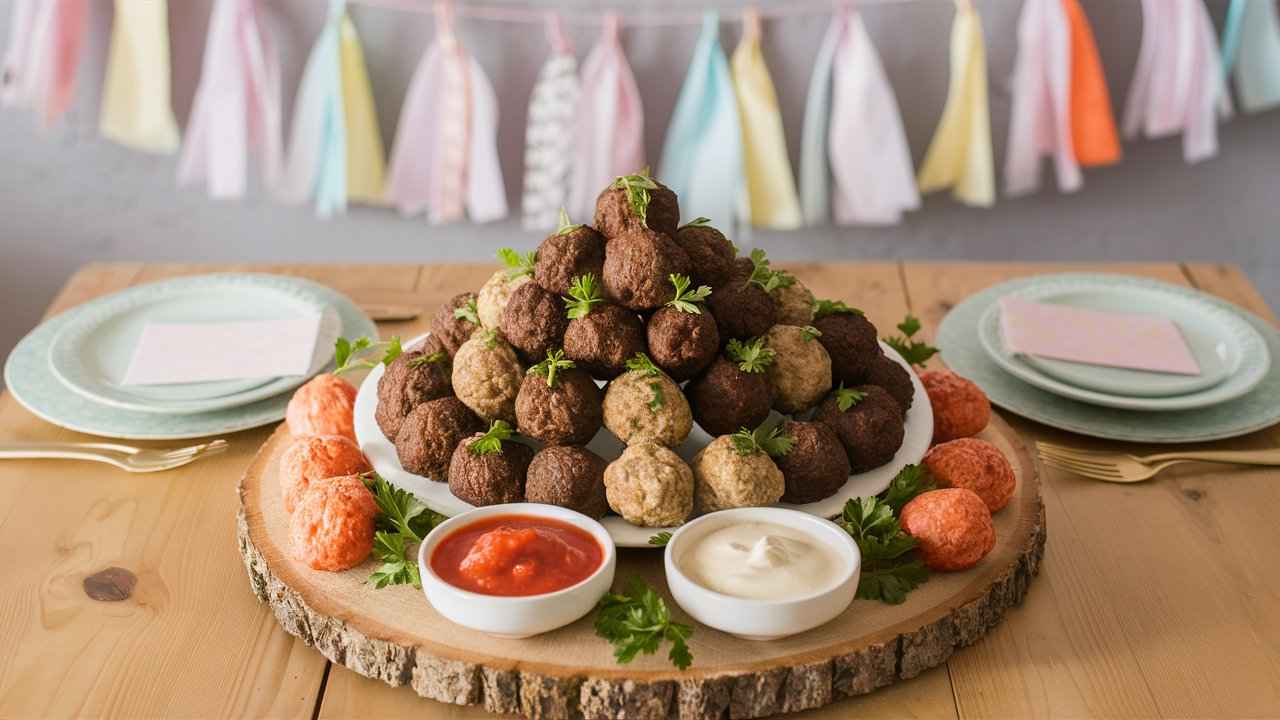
column 975, row 465
column 952, row 528
column 314, row 458
column 960, row 408
column 324, row 406
column 332, row 528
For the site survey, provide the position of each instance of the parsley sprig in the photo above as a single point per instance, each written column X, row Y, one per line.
column 823, row 308
column 660, row 539
column 566, row 225
column 637, row 188
column 751, row 356
column 584, row 294
column 491, row 441
column 687, row 300
column 765, row 276
column 518, row 265
column 848, row 397
column 346, row 353
column 890, row 569
column 697, row 222
column 658, row 400
column 809, row 332
column 555, row 362
column 402, row 521
column 468, row 312
column 642, row 364
column 638, row 621
column 911, row 481
column 429, row 359
column 915, row 352
column 769, row 441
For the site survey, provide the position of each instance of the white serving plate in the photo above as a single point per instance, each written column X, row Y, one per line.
column 382, row 454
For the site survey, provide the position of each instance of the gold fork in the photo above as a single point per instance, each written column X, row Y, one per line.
column 125, row 457
column 1126, row 468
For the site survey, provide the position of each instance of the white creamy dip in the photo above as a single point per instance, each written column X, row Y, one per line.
column 761, row 561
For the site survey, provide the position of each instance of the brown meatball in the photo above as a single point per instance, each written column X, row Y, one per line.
column 430, row 433
column 568, row 413
column 801, row 370
column 710, row 254
column 490, row 479
column 571, row 477
column 637, row 269
column 871, row 431
column 960, row 408
column 894, row 378
column 952, row 528
column 603, row 341
column 726, row 399
column 683, row 343
column 451, row 329
column 410, row 380
column 742, row 268
column 976, row 465
column 534, row 322
column 850, row 340
column 816, row 467
column 795, row 304
column 743, row 309
column 614, row 215
column 561, row 258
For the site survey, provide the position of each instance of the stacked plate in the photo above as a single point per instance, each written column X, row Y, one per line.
column 1237, row 390
column 69, row 370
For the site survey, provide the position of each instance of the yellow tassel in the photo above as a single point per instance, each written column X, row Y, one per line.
column 136, row 110
column 366, row 158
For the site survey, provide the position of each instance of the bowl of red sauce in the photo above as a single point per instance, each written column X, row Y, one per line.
column 516, row 570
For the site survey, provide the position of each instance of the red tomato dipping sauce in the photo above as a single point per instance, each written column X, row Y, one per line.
column 517, row 555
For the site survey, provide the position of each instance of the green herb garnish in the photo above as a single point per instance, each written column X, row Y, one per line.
column 435, row 357
column 490, row 337
column 751, row 356
column 638, row 621
column 491, row 441
column 468, row 312
column 848, row 397
column 658, row 401
column 402, row 520
column 566, row 225
column 660, row 539
column 642, row 364
column 915, row 352
column 770, row 442
column 697, row 222
column 518, row 265
column 888, row 571
column 548, row 368
column 910, row 481
column 687, row 300
column 823, row 308
column 809, row 332
column 765, row 276
column 346, row 352
column 583, row 295
column 637, row 188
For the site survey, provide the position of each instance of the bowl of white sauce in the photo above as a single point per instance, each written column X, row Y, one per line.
column 762, row 573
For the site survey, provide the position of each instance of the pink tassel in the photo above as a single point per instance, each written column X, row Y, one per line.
column 610, row 129
column 1040, row 121
column 237, row 105
column 41, row 61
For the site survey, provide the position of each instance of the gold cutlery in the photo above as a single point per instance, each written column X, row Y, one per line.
column 125, row 457
column 1126, row 468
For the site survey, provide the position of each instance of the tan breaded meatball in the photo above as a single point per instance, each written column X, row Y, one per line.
column 801, row 369
column 794, row 303
column 640, row 406
column 314, row 458
column 487, row 376
column 723, row 478
column 650, row 486
column 976, row 465
column 952, row 528
column 332, row 528
column 323, row 406
column 960, row 408
column 493, row 296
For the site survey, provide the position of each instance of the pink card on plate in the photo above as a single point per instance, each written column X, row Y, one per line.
column 1095, row 337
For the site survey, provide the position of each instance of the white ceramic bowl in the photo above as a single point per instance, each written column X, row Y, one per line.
column 763, row 619
column 524, row 616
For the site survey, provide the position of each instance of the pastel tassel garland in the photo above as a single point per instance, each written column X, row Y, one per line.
column 870, row 159
column 317, row 162
column 366, row 162
column 1093, row 123
column 548, row 145
column 815, row 171
column 1040, row 120
column 237, row 105
column 959, row 156
column 702, row 155
column 1177, row 84
column 1251, row 51
column 43, row 54
column 771, row 189
column 136, row 111
column 610, row 128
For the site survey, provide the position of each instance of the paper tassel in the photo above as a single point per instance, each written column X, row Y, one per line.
column 1040, row 120
column 815, row 172
column 959, row 157
column 1093, row 123
column 1251, row 48
column 1178, row 79
column 548, row 146
column 317, row 163
column 771, row 189
column 609, row 133
column 237, row 105
column 445, row 158
column 870, row 158
column 366, row 161
column 43, row 54
column 136, row 111
column 702, row 155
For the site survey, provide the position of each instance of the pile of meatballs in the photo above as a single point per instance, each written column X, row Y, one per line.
column 683, row 330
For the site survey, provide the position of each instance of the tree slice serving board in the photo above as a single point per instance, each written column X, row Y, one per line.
column 394, row 635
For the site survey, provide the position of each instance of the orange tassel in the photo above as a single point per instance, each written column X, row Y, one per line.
column 1093, row 125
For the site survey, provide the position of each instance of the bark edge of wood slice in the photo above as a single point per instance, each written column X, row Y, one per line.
column 876, row 645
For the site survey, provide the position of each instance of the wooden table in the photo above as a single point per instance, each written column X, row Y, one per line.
column 1155, row 600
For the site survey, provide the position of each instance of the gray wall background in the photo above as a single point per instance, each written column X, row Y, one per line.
column 67, row 197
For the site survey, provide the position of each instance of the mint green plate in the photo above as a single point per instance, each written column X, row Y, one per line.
column 962, row 350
